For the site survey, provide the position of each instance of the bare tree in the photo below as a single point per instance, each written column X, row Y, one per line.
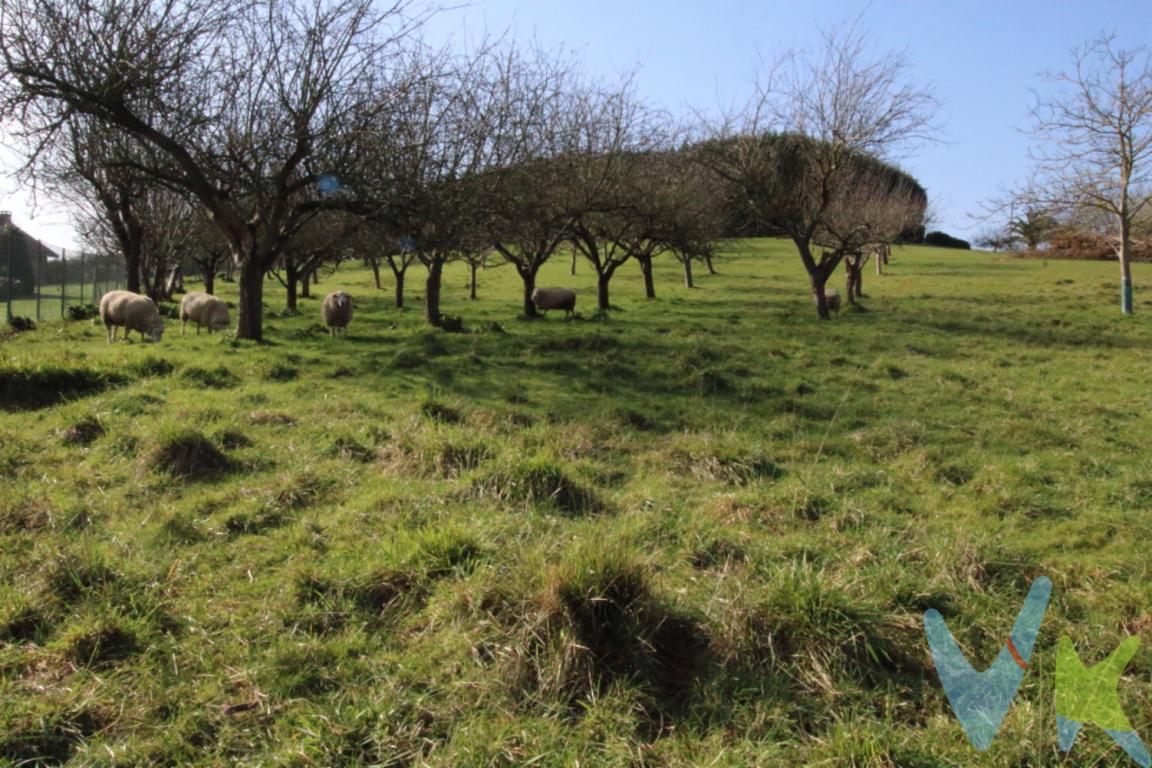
column 531, row 195
column 247, row 107
column 617, row 136
column 791, row 153
column 1095, row 142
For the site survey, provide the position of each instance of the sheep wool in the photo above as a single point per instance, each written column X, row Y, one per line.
column 133, row 311
column 336, row 311
column 203, row 309
column 554, row 298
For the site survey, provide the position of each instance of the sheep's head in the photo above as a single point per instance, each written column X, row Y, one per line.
column 156, row 330
column 220, row 319
column 343, row 300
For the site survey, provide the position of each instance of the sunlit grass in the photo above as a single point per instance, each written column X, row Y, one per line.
column 701, row 531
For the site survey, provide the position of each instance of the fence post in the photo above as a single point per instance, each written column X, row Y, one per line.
column 8, row 282
column 39, row 275
column 63, row 280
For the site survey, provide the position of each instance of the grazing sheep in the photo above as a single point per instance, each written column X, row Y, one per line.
column 336, row 312
column 554, row 298
column 203, row 309
column 134, row 311
column 831, row 298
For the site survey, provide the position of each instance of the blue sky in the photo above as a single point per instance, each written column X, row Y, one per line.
column 981, row 58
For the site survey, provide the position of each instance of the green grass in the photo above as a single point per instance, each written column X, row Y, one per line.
column 52, row 305
column 702, row 531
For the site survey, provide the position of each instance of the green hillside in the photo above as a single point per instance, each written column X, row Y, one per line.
column 703, row 531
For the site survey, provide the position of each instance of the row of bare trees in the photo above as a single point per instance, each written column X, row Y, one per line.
column 273, row 137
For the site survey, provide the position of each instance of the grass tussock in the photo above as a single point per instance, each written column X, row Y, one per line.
column 84, row 431
column 538, row 483
column 27, row 388
column 809, row 626
column 597, row 621
column 218, row 377
column 188, row 455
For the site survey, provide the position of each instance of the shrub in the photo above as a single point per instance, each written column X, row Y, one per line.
column 18, row 323
column 944, row 240
column 82, row 311
column 168, row 309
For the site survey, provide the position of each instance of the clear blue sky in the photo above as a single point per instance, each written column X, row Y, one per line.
column 981, row 58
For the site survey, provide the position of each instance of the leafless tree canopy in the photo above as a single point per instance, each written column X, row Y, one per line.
column 1094, row 142
column 793, row 156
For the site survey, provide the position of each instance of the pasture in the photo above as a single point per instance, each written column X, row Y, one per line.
column 702, row 531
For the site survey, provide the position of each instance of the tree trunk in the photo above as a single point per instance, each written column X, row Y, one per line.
column 472, row 266
column 859, row 274
column 291, row 280
column 250, row 324
column 688, row 274
column 399, row 287
column 432, row 292
column 529, row 277
column 818, row 282
column 210, row 282
column 850, row 281
column 646, row 270
column 375, row 264
column 572, row 271
column 708, row 261
column 306, row 285
column 1125, row 266
column 880, row 260
column 602, row 290
column 132, row 265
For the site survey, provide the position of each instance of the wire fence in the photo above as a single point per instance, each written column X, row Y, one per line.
column 41, row 282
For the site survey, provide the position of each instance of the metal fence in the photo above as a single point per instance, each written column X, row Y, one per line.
column 40, row 282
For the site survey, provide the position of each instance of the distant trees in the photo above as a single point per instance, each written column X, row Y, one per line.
column 1094, row 143
column 1028, row 230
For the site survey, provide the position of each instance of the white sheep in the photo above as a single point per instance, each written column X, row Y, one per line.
column 336, row 311
column 134, row 311
column 203, row 309
column 554, row 298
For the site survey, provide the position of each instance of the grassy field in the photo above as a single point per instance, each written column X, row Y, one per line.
column 701, row 532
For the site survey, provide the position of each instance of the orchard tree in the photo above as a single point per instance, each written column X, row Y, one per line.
column 1094, row 143
column 617, row 136
column 530, row 193
column 790, row 155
